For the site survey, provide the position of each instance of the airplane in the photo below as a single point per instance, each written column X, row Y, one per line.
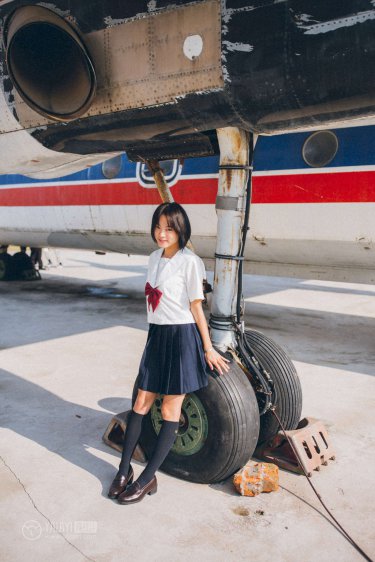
column 313, row 197
column 166, row 81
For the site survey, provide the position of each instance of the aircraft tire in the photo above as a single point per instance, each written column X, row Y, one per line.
column 226, row 417
column 288, row 387
column 23, row 267
column 5, row 267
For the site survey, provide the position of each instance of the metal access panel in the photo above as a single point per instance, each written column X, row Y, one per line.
column 150, row 60
column 157, row 58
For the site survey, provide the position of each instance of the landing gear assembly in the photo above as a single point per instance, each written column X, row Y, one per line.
column 18, row 266
column 222, row 424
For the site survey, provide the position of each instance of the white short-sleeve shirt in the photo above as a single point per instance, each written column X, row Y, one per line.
column 180, row 279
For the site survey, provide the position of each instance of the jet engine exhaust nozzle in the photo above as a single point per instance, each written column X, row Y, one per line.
column 48, row 64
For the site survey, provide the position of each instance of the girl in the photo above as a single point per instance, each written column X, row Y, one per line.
column 174, row 361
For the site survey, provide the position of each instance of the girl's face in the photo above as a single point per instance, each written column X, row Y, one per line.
column 165, row 236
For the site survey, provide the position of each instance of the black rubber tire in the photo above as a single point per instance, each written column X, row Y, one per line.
column 288, row 387
column 232, row 415
column 23, row 267
column 6, row 270
column 21, row 262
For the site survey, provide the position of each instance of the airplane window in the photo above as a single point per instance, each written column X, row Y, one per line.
column 112, row 167
column 171, row 168
column 167, row 166
column 320, row 148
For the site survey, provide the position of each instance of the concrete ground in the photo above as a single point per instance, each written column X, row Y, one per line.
column 70, row 347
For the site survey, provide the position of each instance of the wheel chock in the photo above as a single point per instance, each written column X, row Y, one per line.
column 114, row 435
column 311, row 442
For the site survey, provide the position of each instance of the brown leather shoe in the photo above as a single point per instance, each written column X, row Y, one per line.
column 119, row 483
column 135, row 493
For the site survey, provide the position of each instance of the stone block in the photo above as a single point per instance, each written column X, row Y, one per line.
column 256, row 477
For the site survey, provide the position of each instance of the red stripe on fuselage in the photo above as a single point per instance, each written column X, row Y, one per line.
column 340, row 187
column 124, row 193
column 337, row 187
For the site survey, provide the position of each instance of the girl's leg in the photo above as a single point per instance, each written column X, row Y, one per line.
column 141, row 407
column 171, row 411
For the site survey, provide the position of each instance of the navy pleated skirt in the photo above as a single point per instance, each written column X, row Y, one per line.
column 173, row 360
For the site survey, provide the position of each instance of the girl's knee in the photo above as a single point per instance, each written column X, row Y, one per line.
column 171, row 409
column 167, row 413
column 141, row 409
column 143, row 402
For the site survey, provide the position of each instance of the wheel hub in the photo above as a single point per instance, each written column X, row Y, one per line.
column 193, row 425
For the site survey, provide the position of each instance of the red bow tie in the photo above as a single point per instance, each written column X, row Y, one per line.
column 153, row 296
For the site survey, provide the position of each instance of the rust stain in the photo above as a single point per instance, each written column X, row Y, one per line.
column 236, row 140
column 228, row 176
column 241, row 511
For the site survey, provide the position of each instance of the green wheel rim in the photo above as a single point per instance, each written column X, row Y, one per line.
column 193, row 428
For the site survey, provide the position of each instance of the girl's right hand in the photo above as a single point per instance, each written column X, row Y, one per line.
column 214, row 359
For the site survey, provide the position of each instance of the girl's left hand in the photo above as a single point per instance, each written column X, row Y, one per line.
column 214, row 359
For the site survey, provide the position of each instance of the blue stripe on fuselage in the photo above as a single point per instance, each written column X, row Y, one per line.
column 279, row 152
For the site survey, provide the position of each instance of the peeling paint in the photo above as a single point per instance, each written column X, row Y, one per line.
column 55, row 9
column 39, row 128
column 229, row 12
column 224, row 69
column 112, row 22
column 331, row 25
column 307, row 18
column 225, row 74
column 198, row 93
column 245, row 48
column 151, row 6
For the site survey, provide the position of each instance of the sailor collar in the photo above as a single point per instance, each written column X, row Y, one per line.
column 173, row 264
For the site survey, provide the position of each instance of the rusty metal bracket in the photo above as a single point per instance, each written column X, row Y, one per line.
column 311, row 442
column 114, row 435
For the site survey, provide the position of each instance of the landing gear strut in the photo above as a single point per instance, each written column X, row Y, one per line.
column 269, row 369
column 231, row 205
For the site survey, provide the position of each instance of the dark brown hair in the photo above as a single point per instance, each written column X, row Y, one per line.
column 176, row 218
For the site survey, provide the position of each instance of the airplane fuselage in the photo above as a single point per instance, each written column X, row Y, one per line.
column 305, row 220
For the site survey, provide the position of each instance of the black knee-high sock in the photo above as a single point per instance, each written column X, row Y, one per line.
column 132, row 433
column 164, row 443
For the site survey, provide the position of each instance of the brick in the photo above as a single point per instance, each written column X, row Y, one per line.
column 256, row 477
